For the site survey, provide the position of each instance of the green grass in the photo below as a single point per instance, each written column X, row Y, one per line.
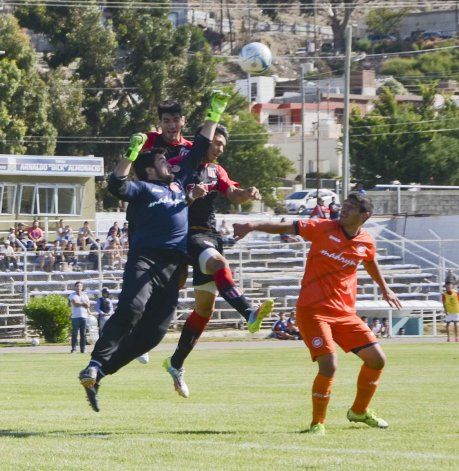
column 247, row 410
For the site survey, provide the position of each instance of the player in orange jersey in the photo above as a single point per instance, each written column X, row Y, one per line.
column 326, row 305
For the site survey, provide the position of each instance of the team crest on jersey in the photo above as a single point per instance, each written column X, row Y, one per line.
column 175, row 187
column 317, row 342
column 175, row 168
column 212, row 172
column 361, row 249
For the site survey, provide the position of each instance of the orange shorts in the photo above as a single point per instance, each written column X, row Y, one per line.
column 320, row 331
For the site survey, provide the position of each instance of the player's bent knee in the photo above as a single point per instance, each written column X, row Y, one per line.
column 206, row 258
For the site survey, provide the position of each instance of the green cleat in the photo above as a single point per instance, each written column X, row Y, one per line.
column 368, row 418
column 317, row 429
column 257, row 316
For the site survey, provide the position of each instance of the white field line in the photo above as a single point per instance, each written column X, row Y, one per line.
column 302, row 448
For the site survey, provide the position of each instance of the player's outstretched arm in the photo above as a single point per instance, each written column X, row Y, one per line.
column 372, row 268
column 241, row 195
column 218, row 103
column 135, row 145
column 241, row 230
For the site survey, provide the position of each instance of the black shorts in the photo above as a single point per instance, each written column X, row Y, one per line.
column 197, row 243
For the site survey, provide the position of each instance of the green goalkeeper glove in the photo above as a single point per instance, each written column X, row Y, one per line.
column 218, row 103
column 135, row 146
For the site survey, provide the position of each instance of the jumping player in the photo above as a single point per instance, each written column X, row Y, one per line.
column 211, row 271
column 156, row 254
column 326, row 304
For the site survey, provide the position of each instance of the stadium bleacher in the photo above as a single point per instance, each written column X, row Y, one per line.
column 263, row 268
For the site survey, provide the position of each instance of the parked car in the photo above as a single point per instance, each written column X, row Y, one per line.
column 304, row 201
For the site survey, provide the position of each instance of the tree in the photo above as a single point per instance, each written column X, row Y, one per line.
column 338, row 14
column 384, row 21
column 403, row 142
column 24, row 100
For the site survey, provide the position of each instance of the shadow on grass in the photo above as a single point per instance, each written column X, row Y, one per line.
column 55, row 433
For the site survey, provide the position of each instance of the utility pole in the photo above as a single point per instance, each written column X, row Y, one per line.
column 318, row 141
column 347, row 82
column 303, row 156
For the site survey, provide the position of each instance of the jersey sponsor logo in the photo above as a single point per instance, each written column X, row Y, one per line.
column 361, row 249
column 175, row 187
column 332, row 237
column 155, row 190
column 175, row 168
column 317, row 342
column 208, row 243
column 339, row 258
column 166, row 200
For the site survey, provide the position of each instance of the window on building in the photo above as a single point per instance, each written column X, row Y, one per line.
column 27, row 199
column 50, row 199
column 274, row 119
column 7, row 198
column 253, row 92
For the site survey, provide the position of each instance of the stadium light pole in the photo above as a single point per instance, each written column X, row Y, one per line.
column 303, row 156
column 347, row 86
column 348, row 59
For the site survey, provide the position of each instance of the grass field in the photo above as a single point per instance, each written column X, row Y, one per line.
column 247, row 410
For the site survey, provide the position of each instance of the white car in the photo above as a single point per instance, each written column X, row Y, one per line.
column 304, row 201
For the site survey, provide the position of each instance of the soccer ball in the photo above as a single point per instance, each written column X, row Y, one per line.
column 255, row 58
column 35, row 342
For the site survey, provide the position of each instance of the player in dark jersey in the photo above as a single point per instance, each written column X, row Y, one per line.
column 156, row 255
column 171, row 122
column 211, row 272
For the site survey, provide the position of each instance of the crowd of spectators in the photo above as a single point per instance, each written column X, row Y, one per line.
column 71, row 250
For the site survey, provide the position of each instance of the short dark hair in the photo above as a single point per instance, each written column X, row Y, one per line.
column 147, row 159
column 363, row 202
column 171, row 107
column 220, row 129
column 78, row 283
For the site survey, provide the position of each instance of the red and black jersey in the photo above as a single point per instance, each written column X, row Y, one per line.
column 201, row 214
column 174, row 149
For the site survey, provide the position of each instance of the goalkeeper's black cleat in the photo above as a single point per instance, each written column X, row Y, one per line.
column 91, row 394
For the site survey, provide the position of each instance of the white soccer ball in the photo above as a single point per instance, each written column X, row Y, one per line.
column 255, row 58
column 35, row 342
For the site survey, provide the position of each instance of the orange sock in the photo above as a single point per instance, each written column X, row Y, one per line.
column 321, row 389
column 367, row 383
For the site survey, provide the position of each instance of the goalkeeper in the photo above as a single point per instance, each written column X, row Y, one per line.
column 157, row 252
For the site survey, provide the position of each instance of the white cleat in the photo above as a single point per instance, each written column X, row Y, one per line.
column 144, row 359
column 177, row 375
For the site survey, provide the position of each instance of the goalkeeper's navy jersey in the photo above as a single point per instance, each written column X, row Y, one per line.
column 158, row 210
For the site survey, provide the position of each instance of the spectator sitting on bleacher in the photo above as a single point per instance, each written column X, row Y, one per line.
column 376, row 327
column 70, row 256
column 226, row 233
column 116, row 229
column 93, row 257
column 60, row 230
column 58, row 254
column 112, row 248
column 36, row 235
column 292, row 328
column 44, row 260
column 84, row 234
column 385, row 328
column 12, row 237
column 21, row 232
column 279, row 329
column 8, row 256
column 104, row 308
column 364, row 319
column 125, row 229
column 401, row 331
column 67, row 234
